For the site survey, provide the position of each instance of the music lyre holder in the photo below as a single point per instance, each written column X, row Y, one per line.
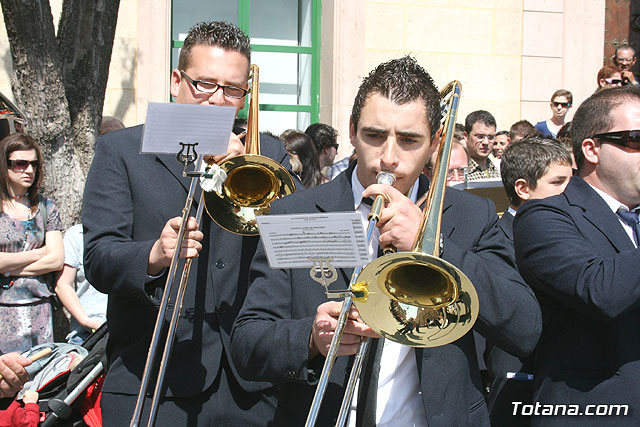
column 186, row 156
column 324, row 273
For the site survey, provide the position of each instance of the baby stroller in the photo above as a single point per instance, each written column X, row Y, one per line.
column 69, row 395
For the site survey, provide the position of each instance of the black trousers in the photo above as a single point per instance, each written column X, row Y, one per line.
column 225, row 403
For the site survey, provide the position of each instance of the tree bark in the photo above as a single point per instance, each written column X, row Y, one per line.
column 59, row 83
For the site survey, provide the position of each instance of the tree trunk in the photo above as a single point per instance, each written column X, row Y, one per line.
column 59, row 83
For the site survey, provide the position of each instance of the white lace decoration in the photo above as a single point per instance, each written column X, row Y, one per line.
column 213, row 179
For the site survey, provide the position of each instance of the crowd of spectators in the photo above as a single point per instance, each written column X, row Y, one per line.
column 40, row 262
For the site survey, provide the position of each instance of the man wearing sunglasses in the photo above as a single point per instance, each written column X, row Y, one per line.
column 561, row 101
column 579, row 250
column 131, row 211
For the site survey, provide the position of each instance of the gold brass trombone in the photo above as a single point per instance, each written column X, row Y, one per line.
column 414, row 298
column 253, row 182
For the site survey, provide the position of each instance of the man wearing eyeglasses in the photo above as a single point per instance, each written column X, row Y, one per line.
column 131, row 211
column 579, row 250
column 625, row 59
column 480, row 132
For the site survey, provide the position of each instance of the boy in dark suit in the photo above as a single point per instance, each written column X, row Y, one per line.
column 531, row 168
column 286, row 324
column 579, row 251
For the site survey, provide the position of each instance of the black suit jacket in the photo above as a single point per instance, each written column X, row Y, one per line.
column 128, row 199
column 504, row 391
column 271, row 335
column 574, row 251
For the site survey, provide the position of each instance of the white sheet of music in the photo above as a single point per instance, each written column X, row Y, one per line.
column 169, row 124
column 291, row 240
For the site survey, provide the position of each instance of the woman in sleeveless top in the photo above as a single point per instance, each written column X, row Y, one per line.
column 30, row 246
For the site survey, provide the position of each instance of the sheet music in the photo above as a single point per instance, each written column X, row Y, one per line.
column 169, row 124
column 290, row 240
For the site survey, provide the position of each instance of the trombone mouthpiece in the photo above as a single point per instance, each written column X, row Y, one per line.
column 386, row 178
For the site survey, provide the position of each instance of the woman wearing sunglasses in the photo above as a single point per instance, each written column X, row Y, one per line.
column 30, row 246
column 608, row 77
column 561, row 101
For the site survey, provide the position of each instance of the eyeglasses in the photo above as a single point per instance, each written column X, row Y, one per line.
column 212, row 87
column 479, row 137
column 624, row 59
column 561, row 104
column 456, row 173
column 21, row 165
column 625, row 138
column 614, row 81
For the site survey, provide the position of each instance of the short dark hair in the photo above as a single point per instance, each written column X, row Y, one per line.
column 594, row 116
column 215, row 33
column 502, row 132
column 402, row 81
column 19, row 142
column 482, row 116
column 323, row 136
column 524, row 128
column 529, row 159
column 565, row 93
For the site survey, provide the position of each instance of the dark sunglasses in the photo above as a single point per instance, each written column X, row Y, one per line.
column 614, row 81
column 21, row 165
column 561, row 104
column 625, row 138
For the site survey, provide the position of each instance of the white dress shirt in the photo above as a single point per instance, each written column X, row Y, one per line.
column 399, row 399
column 614, row 205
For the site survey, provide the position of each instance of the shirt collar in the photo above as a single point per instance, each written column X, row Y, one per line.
column 613, row 204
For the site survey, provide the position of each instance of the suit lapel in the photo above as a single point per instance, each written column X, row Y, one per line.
column 174, row 167
column 598, row 213
column 506, row 224
column 338, row 196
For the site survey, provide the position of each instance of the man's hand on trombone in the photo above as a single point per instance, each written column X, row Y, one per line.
column 400, row 218
column 325, row 324
column 162, row 250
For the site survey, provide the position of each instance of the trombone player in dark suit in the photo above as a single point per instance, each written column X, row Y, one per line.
column 286, row 323
column 131, row 209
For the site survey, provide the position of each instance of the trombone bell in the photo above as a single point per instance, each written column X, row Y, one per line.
column 417, row 299
column 252, row 183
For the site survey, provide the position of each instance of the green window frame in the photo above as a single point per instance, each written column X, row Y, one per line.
column 244, row 7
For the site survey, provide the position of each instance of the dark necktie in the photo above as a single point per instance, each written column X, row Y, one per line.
column 631, row 218
column 368, row 388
